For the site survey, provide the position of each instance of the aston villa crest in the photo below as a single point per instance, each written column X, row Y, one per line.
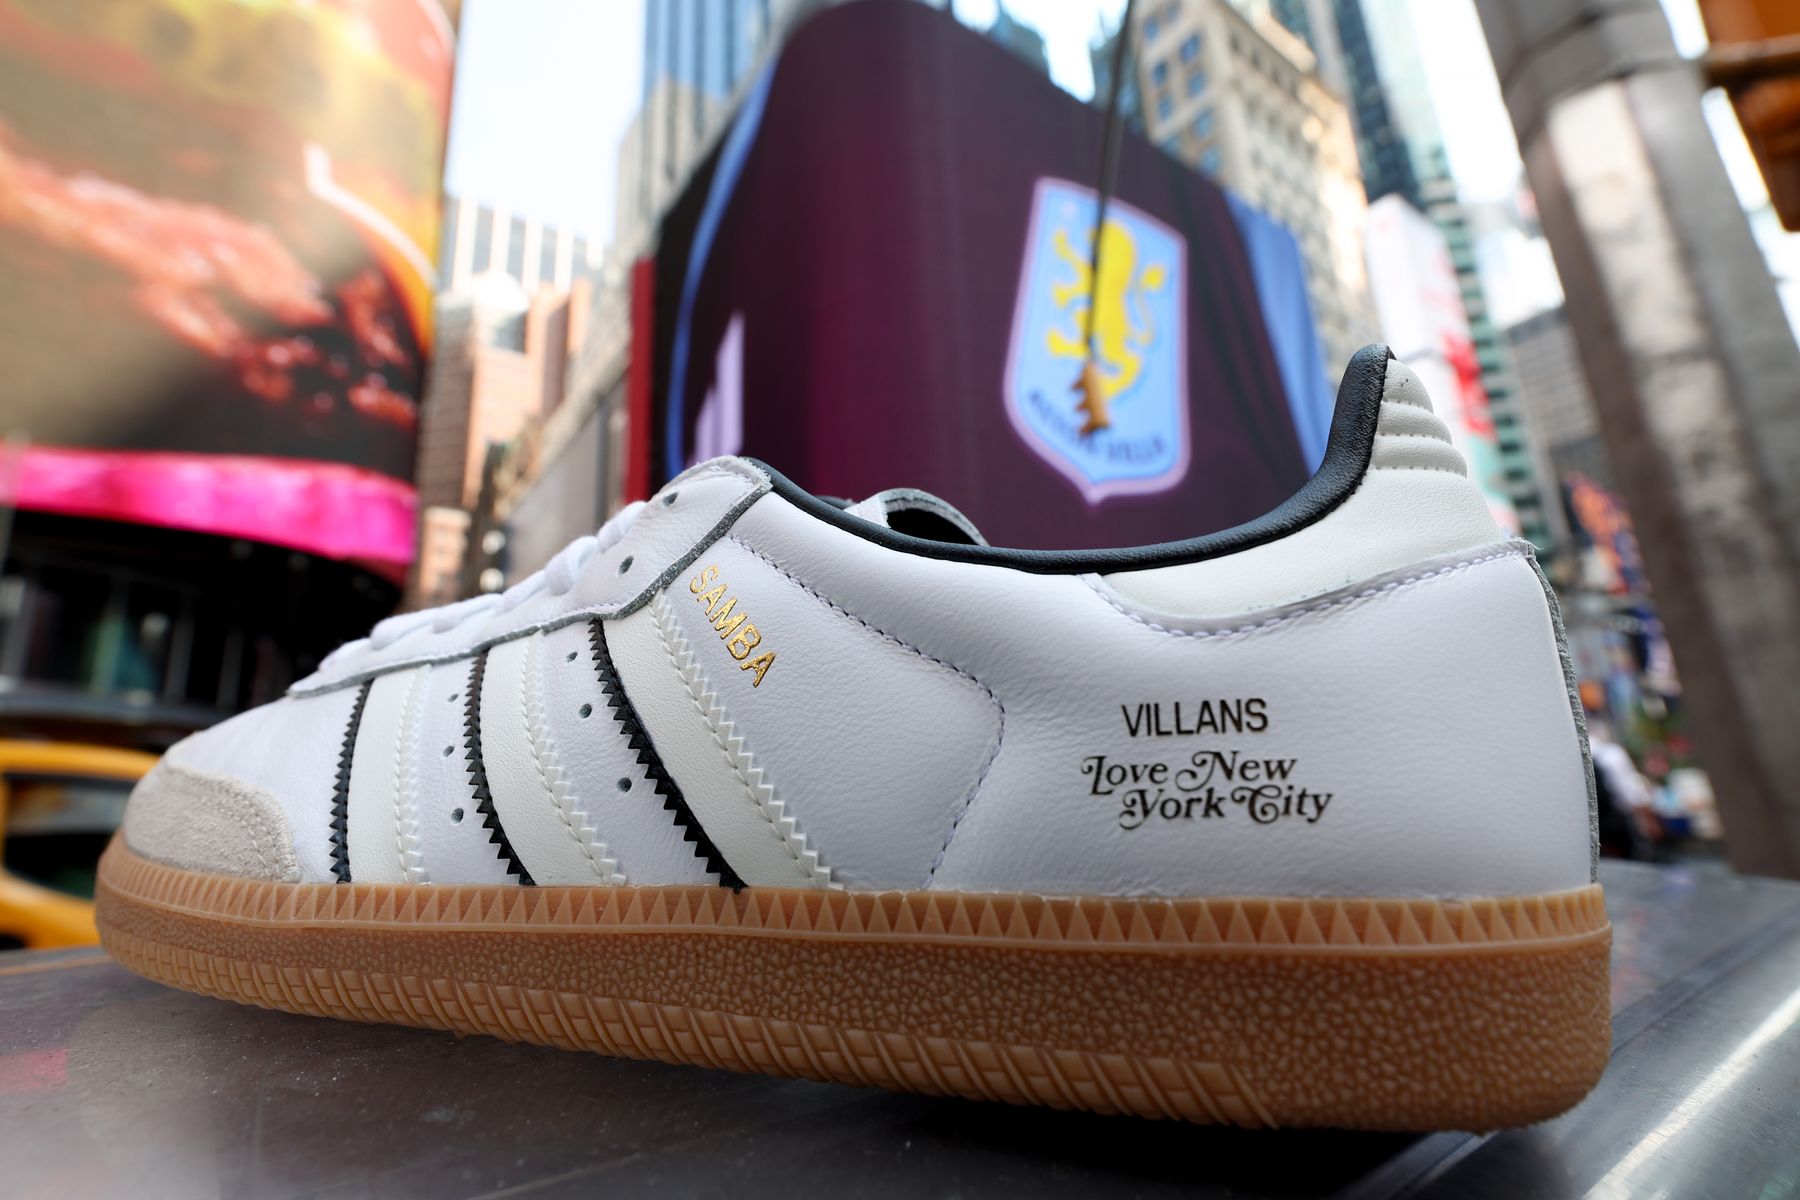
column 1118, row 426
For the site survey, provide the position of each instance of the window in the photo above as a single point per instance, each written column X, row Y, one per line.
column 1190, row 49
column 1209, row 160
column 1203, row 124
column 1196, row 83
column 547, row 259
column 515, row 248
column 1159, row 74
column 1164, row 106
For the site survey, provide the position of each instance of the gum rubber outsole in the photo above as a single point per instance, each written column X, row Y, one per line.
column 1360, row 1013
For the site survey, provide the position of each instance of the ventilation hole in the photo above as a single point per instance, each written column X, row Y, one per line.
column 625, row 564
column 624, row 783
column 587, row 710
column 449, row 750
column 571, row 657
column 670, row 499
column 456, row 815
column 453, row 696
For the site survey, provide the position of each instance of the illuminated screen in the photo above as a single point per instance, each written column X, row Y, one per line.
column 214, row 288
column 883, row 274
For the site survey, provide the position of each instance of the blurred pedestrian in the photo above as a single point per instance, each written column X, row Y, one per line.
column 1629, row 827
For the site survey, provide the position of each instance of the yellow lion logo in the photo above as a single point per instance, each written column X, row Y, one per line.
column 1119, row 342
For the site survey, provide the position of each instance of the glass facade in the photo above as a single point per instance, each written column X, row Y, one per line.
column 705, row 44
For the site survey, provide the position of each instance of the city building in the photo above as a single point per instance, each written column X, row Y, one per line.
column 479, row 239
column 1347, row 65
column 697, row 56
column 1559, row 407
column 214, row 346
column 1236, row 94
column 500, row 365
column 569, row 476
column 1367, row 53
column 662, row 145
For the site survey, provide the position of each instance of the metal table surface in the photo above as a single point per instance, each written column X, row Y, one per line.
column 110, row 1084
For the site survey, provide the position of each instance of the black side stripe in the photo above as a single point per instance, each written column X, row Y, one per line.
column 340, row 794
column 638, row 740
column 484, row 799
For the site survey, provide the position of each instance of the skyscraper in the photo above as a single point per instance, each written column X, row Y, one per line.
column 1337, row 33
column 697, row 54
column 509, row 323
column 1557, row 399
column 1368, row 53
column 1226, row 88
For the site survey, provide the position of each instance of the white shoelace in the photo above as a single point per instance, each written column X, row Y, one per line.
column 558, row 577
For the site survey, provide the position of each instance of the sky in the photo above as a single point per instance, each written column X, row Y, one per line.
column 544, row 92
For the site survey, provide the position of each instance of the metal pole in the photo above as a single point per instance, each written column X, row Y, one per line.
column 1693, row 369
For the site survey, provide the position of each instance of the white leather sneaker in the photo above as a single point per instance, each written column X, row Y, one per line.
column 1290, row 824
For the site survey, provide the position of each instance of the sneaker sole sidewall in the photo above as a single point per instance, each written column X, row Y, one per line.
column 1371, row 1013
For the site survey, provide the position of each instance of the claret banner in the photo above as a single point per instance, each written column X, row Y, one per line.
column 215, row 280
column 882, row 277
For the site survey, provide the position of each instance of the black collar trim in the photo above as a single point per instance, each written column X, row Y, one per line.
column 1347, row 452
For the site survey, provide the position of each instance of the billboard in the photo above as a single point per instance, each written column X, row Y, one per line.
column 1419, row 304
column 214, row 284
column 883, row 276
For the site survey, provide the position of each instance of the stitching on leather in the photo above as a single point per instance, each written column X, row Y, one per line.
column 406, row 748
column 268, row 859
column 537, row 737
column 999, row 708
column 1444, row 470
column 706, row 702
column 1391, row 585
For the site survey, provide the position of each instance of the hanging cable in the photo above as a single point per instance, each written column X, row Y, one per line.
column 1093, row 400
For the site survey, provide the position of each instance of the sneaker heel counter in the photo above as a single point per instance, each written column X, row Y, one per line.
column 1528, row 699
column 1414, row 453
column 1577, row 713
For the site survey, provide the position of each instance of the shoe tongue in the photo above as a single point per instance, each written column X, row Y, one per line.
column 920, row 514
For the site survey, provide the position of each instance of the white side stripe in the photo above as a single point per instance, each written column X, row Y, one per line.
column 702, row 751
column 549, row 827
column 381, row 824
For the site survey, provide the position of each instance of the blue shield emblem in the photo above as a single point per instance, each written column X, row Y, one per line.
column 1127, row 431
